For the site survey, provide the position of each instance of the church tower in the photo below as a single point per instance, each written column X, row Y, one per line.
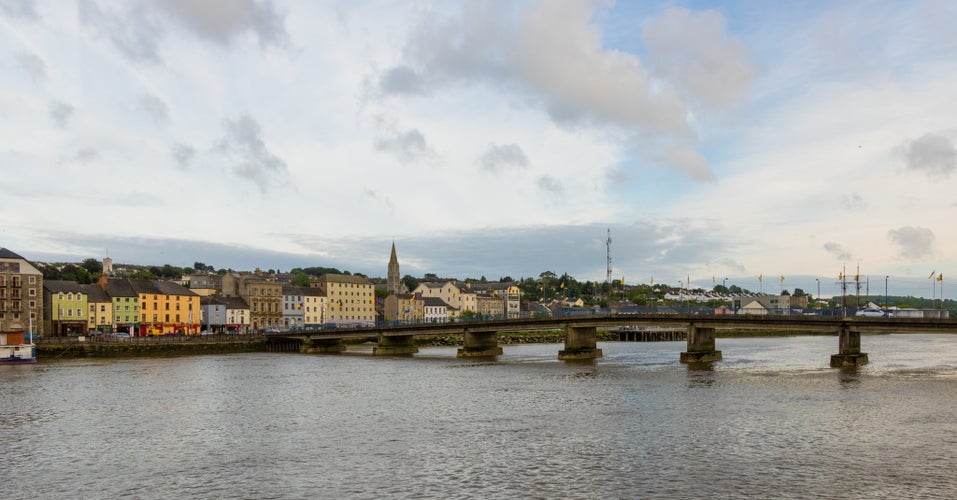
column 394, row 280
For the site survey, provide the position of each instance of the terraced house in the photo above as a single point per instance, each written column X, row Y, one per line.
column 66, row 313
column 21, row 295
column 126, row 304
column 166, row 307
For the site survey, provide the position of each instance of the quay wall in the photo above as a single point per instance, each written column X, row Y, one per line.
column 146, row 346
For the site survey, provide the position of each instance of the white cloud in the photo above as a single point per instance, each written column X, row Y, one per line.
column 550, row 184
column 244, row 147
column 60, row 113
column 551, row 53
column 407, row 145
column 33, row 66
column 503, row 157
column 914, row 243
column 183, row 154
column 933, row 154
column 153, row 106
column 693, row 51
column 837, row 251
column 19, row 9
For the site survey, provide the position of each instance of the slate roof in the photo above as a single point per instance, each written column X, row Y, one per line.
column 58, row 286
column 95, row 293
column 8, row 254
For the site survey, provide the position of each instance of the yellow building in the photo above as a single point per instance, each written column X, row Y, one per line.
column 166, row 307
column 350, row 300
column 404, row 308
column 99, row 309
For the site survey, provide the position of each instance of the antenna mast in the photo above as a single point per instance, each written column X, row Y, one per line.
column 608, row 244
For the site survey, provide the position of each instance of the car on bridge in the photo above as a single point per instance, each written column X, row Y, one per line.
column 871, row 313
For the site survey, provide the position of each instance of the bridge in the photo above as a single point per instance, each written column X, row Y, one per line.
column 480, row 338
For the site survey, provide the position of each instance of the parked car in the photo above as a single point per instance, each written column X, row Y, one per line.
column 272, row 329
column 871, row 313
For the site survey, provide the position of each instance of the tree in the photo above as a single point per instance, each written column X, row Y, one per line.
column 798, row 292
column 381, row 293
column 410, row 282
column 92, row 266
column 300, row 278
column 144, row 274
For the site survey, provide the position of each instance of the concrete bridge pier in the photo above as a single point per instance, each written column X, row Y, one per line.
column 322, row 346
column 479, row 344
column 395, row 344
column 700, row 346
column 581, row 342
column 849, row 349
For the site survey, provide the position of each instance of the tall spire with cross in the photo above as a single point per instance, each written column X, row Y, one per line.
column 394, row 279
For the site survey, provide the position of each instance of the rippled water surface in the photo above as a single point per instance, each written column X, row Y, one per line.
column 771, row 421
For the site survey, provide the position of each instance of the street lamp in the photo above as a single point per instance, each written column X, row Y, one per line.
column 818, row 288
column 885, row 291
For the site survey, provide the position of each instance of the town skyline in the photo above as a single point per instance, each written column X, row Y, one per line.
column 496, row 139
column 866, row 284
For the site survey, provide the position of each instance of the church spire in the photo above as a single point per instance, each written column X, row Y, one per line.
column 394, row 279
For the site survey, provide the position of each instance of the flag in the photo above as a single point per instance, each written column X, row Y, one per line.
column 713, row 281
column 782, row 278
column 840, row 277
column 940, row 277
column 652, row 280
column 761, row 278
column 857, row 277
column 932, row 273
column 562, row 285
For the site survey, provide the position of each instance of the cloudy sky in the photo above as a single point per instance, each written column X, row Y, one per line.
column 714, row 139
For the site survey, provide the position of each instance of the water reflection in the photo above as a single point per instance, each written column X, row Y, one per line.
column 849, row 377
column 701, row 374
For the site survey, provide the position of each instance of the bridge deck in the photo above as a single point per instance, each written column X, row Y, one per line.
column 798, row 323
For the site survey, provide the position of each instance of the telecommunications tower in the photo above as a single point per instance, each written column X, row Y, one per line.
column 608, row 245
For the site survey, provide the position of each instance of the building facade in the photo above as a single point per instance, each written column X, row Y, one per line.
column 100, row 309
column 350, row 300
column 21, row 295
column 66, row 315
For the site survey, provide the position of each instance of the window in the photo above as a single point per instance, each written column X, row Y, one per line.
column 69, row 313
column 33, row 292
column 78, row 313
column 32, row 280
column 33, row 304
column 166, row 318
column 59, row 296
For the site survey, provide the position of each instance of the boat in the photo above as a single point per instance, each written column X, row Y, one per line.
column 17, row 348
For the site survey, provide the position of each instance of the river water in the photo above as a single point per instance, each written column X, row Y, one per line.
column 770, row 421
